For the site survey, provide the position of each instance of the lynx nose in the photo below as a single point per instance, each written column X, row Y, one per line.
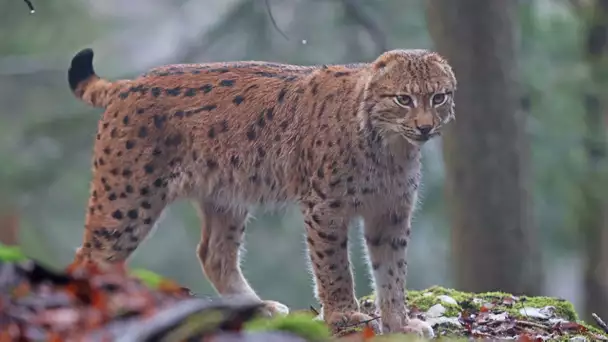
column 425, row 129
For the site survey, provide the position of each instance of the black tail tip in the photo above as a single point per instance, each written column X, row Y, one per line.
column 81, row 68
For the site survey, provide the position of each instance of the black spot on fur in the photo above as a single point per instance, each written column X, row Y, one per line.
column 227, row 83
column 238, row 100
column 158, row 183
column 149, row 168
column 281, row 96
column 155, row 91
column 208, row 108
column 132, row 214
column 173, row 91
column 173, row 140
column 206, row 88
column 129, row 144
column 117, row 215
column 190, row 92
column 159, row 121
column 261, row 120
column 251, row 133
column 143, row 132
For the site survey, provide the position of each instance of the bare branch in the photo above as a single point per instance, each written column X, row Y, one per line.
column 353, row 9
column 274, row 23
column 600, row 322
column 29, row 4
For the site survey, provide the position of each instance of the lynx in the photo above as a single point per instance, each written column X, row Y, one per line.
column 340, row 141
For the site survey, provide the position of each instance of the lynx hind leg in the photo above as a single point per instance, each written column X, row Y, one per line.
column 120, row 215
column 219, row 252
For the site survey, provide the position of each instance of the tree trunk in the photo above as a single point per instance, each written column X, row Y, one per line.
column 593, row 214
column 9, row 227
column 486, row 150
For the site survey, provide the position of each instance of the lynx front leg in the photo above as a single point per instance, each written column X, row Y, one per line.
column 387, row 236
column 219, row 254
column 327, row 239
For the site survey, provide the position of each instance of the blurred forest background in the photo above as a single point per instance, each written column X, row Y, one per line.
column 514, row 194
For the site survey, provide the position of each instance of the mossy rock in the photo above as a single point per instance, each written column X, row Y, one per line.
column 522, row 309
column 454, row 305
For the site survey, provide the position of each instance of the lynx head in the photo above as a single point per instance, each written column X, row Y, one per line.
column 410, row 95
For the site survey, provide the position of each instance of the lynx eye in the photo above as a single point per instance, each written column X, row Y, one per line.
column 439, row 99
column 404, row 100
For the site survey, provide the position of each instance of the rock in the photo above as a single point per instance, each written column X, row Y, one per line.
column 542, row 313
column 435, row 321
column 447, row 299
column 435, row 311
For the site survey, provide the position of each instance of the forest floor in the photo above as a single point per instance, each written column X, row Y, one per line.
column 86, row 304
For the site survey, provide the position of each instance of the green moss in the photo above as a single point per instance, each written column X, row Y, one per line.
column 11, row 254
column 149, row 278
column 300, row 324
column 424, row 299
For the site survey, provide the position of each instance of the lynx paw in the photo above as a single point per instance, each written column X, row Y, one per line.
column 412, row 326
column 340, row 321
column 272, row 308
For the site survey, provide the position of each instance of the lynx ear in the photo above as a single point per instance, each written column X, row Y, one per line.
column 381, row 62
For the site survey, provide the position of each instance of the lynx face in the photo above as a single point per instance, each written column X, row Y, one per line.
column 412, row 96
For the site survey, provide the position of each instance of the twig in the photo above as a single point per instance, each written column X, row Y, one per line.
column 274, row 23
column 600, row 322
column 361, row 323
column 29, row 4
column 312, row 308
column 532, row 324
column 353, row 9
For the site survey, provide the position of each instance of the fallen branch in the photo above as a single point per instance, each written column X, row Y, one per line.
column 274, row 23
column 600, row 322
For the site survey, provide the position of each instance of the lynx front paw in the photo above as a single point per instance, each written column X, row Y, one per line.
column 411, row 326
column 272, row 308
column 340, row 321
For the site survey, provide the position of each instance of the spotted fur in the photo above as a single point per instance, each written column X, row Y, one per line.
column 341, row 141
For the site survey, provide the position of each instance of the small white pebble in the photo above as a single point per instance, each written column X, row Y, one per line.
column 534, row 312
column 499, row 317
column 448, row 299
column 304, row 41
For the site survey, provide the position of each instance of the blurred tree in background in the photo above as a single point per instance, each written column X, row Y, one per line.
column 593, row 208
column 494, row 243
column 520, row 170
